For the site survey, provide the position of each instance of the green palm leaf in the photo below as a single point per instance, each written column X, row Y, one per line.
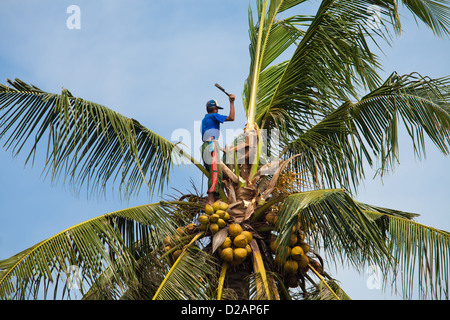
column 335, row 149
column 98, row 247
column 420, row 254
column 336, row 222
column 87, row 143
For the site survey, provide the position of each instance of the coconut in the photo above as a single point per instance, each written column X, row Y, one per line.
column 273, row 246
column 248, row 235
column 209, row 209
column 203, row 219
column 214, row 217
column 227, row 254
column 291, row 266
column 221, row 223
column 240, row 254
column 235, row 229
column 167, row 241
column 226, row 216
column 220, row 213
column 305, row 247
column 292, row 239
column 223, row 206
column 303, row 262
column 297, row 252
column 240, row 241
column 214, row 227
column 176, row 254
column 180, row 231
column 216, row 205
column 248, row 248
column 271, row 217
column 226, row 243
column 190, row 228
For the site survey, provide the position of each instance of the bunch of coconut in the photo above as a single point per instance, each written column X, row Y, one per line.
column 294, row 256
column 171, row 244
column 236, row 246
column 215, row 217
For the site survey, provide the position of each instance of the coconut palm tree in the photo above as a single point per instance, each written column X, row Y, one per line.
column 315, row 101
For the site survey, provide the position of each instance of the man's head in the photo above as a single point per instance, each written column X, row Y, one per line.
column 212, row 106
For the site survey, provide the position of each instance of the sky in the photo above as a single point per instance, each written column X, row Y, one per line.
column 157, row 61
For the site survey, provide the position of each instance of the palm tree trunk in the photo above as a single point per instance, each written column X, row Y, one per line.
column 237, row 281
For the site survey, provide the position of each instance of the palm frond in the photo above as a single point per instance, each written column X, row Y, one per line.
column 328, row 290
column 335, row 149
column 332, row 219
column 421, row 256
column 99, row 246
column 331, row 58
column 434, row 13
column 189, row 278
column 87, row 143
column 420, row 103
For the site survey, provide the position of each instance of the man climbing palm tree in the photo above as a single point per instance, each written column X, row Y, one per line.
column 210, row 148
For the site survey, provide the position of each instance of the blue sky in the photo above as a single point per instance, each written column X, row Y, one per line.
column 157, row 61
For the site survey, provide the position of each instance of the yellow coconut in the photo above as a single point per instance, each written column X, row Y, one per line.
column 203, row 226
column 287, row 252
column 223, row 206
column 292, row 240
column 209, row 209
column 240, row 254
column 226, row 243
column 214, row 227
column 214, row 217
column 240, row 241
column 216, row 205
column 248, row 235
column 305, row 247
column 303, row 262
column 190, row 228
column 227, row 254
column 297, row 252
column 203, row 219
column 221, row 223
column 180, row 231
column 226, row 216
column 273, row 246
column 220, row 213
column 271, row 217
column 176, row 254
column 248, row 248
column 167, row 241
column 235, row 229
column 291, row 266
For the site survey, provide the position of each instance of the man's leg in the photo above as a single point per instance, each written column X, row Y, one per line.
column 210, row 153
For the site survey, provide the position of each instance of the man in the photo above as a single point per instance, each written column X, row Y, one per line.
column 210, row 148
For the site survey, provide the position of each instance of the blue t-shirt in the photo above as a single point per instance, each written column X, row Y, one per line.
column 211, row 126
